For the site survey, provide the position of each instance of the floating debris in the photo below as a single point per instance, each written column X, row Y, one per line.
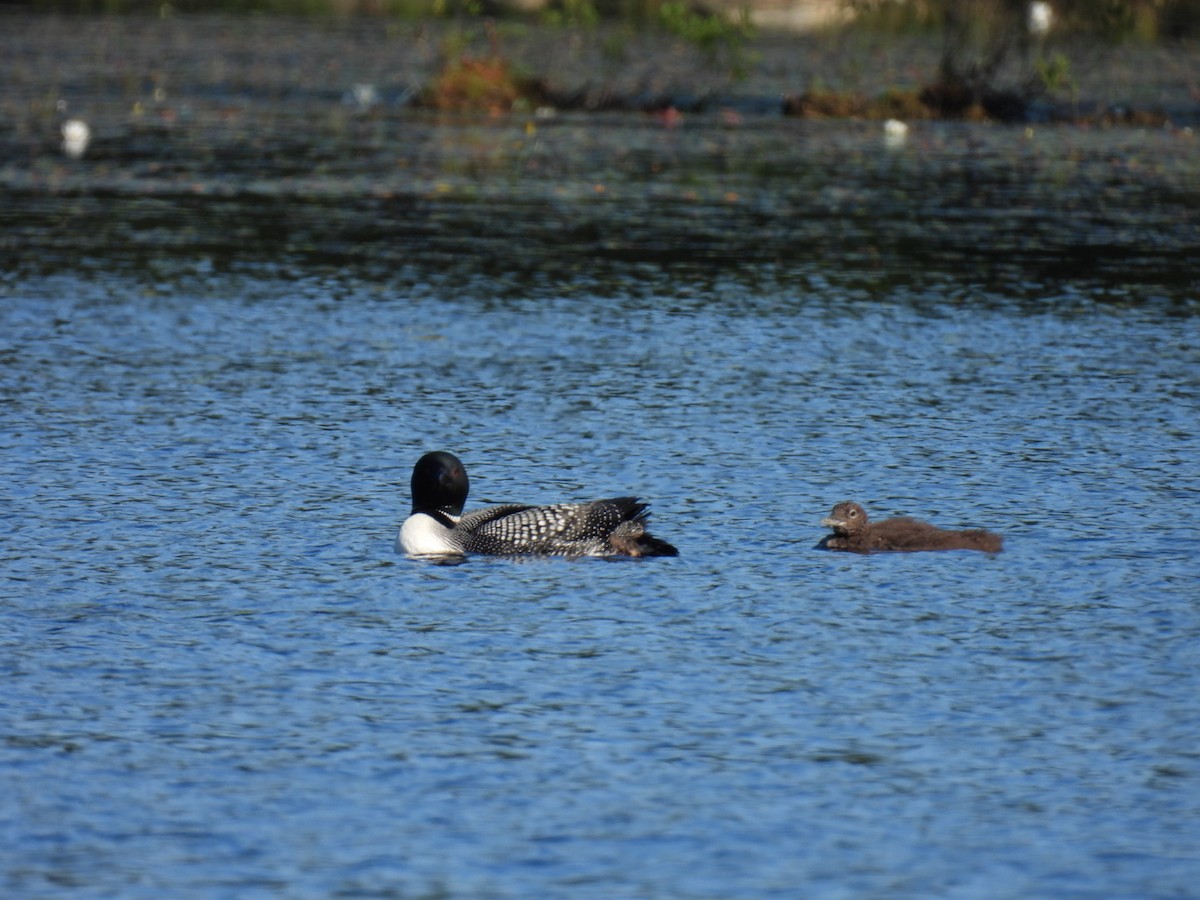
column 895, row 133
column 363, row 97
column 76, row 137
column 1039, row 19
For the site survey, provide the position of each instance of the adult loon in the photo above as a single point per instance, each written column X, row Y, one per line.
column 853, row 531
column 437, row 526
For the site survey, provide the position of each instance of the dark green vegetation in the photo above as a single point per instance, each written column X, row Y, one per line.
column 999, row 59
column 995, row 61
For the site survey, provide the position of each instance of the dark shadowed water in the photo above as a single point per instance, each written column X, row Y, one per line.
column 215, row 375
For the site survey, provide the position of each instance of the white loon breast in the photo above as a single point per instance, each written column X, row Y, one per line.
column 423, row 535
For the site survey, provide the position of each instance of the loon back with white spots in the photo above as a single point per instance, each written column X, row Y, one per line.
column 437, row 527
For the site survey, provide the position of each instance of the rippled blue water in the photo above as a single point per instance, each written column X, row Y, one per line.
column 221, row 681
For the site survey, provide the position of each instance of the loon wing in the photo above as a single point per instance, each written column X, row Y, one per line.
column 478, row 518
column 560, row 528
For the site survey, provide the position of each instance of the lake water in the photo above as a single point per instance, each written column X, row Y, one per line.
column 220, row 680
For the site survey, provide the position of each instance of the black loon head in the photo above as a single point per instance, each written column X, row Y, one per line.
column 439, row 483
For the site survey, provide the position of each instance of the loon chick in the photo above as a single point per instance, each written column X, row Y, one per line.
column 437, row 526
column 853, row 531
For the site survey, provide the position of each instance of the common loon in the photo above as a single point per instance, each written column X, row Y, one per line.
column 437, row 526
column 853, row 531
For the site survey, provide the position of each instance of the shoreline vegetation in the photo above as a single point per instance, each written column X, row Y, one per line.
column 1097, row 63
column 164, row 143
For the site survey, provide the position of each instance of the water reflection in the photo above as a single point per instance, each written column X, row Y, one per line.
column 590, row 196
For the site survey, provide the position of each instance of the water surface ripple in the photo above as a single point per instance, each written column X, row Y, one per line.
column 220, row 680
